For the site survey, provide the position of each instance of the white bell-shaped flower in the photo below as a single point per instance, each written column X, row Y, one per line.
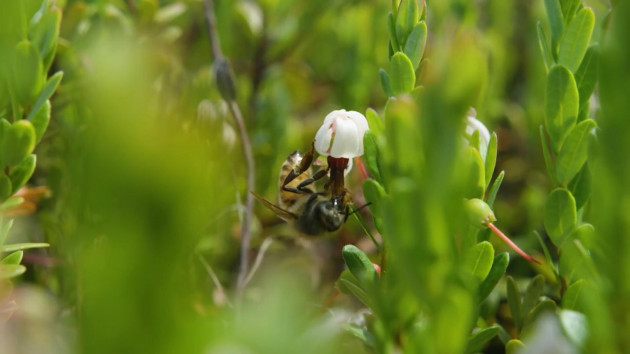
column 341, row 135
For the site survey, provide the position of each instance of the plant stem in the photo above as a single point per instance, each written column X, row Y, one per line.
column 511, row 244
column 247, row 150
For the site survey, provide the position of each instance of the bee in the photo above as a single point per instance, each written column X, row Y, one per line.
column 311, row 212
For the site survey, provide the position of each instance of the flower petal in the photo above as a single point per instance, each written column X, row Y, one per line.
column 345, row 143
column 323, row 139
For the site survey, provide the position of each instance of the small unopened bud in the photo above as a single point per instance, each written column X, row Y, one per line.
column 478, row 212
column 225, row 79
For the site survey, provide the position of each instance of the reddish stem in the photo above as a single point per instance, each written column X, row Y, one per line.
column 329, row 301
column 362, row 169
column 512, row 244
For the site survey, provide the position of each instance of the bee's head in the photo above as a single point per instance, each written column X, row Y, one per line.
column 330, row 214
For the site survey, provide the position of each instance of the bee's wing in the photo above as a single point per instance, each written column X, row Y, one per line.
column 282, row 213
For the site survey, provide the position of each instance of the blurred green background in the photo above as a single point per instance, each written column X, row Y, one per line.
column 148, row 179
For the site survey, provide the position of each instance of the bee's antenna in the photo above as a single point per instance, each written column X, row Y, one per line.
column 359, row 208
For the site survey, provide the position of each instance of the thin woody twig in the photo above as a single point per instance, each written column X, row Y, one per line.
column 227, row 90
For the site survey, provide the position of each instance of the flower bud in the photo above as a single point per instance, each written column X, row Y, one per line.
column 478, row 212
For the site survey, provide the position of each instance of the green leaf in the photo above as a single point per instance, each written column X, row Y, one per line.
column 554, row 13
column 374, row 193
column 546, row 305
column 560, row 215
column 8, row 271
column 407, row 17
column 402, row 74
column 514, row 300
column 494, row 189
column 28, row 73
column 576, row 39
column 22, row 246
column 551, row 167
column 532, row 293
column 571, row 299
column 481, row 337
column 586, row 75
column 375, row 122
column 360, row 266
column 371, row 155
column 499, row 265
column 414, row 48
column 5, row 187
column 475, row 173
column 575, row 326
column 580, row 186
column 45, row 94
column 574, row 151
column 491, row 158
column 569, row 8
column 5, row 226
column 11, row 202
column 543, row 44
column 18, row 142
column 348, row 284
column 542, row 244
column 40, row 121
column 385, row 82
column 561, row 105
column 393, row 39
column 22, row 172
column 479, row 259
column 13, row 258
column 362, row 334
column 473, row 141
column 45, row 34
column 514, row 346
column 585, row 233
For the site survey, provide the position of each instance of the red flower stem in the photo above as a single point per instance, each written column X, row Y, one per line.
column 359, row 163
column 512, row 244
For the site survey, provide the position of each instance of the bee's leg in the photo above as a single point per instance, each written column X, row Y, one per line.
column 318, row 175
column 305, row 163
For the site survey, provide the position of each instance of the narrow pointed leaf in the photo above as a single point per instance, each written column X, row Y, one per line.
column 481, row 337
column 554, row 14
column 543, row 44
column 514, row 300
column 491, row 158
column 499, row 265
column 576, row 38
column 414, row 48
column 494, row 189
column 532, row 293
column 22, row 246
column 13, row 258
column 586, row 75
column 385, row 82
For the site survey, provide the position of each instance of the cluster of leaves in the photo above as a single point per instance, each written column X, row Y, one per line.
column 572, row 74
column 27, row 48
